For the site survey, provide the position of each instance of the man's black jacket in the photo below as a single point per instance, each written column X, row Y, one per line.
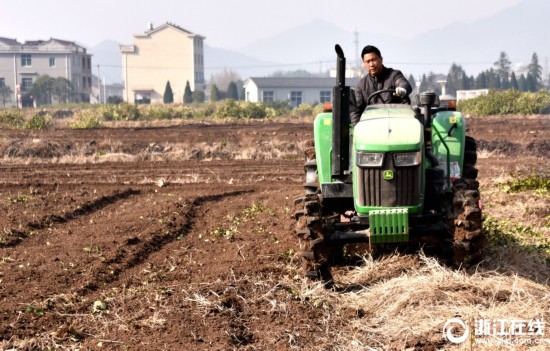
column 387, row 79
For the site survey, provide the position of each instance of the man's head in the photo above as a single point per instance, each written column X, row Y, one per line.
column 372, row 59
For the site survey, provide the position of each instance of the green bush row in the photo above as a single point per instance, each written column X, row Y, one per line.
column 507, row 102
column 16, row 119
column 94, row 116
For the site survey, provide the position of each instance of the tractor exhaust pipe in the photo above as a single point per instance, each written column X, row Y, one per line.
column 340, row 118
column 427, row 99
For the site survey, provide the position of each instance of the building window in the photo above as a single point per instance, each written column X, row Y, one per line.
column 2, row 82
column 325, row 96
column 198, row 60
column 199, row 78
column 142, row 98
column 84, row 82
column 26, row 60
column 267, row 96
column 295, row 98
column 52, row 61
column 26, row 84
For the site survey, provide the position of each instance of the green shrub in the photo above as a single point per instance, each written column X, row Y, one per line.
column 156, row 112
column 256, row 110
column 86, row 119
column 12, row 119
column 227, row 109
column 38, row 121
column 278, row 108
column 538, row 182
column 507, row 102
column 303, row 110
column 233, row 109
column 120, row 112
column 504, row 233
column 253, row 110
column 205, row 110
column 182, row 111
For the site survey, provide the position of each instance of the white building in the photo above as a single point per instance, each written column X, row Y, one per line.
column 167, row 53
column 295, row 91
column 22, row 64
column 470, row 94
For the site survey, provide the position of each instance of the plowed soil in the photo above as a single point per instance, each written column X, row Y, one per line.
column 176, row 238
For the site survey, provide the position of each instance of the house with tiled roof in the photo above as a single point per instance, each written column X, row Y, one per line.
column 295, row 91
column 22, row 63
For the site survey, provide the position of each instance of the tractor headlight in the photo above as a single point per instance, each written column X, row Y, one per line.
column 407, row 159
column 370, row 159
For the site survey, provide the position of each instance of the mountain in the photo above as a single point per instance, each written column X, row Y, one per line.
column 107, row 56
column 519, row 31
column 311, row 46
column 216, row 59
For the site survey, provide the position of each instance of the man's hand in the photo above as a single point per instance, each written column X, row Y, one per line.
column 401, row 92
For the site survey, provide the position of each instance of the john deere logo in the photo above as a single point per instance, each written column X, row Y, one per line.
column 388, row 175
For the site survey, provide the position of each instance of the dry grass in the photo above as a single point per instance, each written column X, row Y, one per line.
column 391, row 303
column 400, row 298
column 111, row 152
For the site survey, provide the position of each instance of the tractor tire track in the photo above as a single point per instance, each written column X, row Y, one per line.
column 123, row 259
column 19, row 235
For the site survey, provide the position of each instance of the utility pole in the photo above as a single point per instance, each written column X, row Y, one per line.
column 104, row 92
column 545, row 77
column 356, row 41
column 98, row 85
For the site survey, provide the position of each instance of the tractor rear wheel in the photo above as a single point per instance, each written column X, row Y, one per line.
column 468, row 238
column 315, row 251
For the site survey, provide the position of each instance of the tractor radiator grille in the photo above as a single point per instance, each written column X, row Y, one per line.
column 402, row 190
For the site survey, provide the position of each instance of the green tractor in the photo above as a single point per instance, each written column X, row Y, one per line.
column 404, row 175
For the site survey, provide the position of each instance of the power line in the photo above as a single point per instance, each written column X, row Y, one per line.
column 313, row 63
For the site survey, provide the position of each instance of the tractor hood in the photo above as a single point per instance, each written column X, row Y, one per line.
column 388, row 129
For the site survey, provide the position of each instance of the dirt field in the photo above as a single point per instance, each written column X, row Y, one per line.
column 181, row 238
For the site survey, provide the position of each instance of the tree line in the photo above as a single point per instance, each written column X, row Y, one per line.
column 44, row 90
column 499, row 77
column 199, row 96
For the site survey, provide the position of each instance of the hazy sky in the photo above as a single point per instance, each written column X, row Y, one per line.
column 229, row 24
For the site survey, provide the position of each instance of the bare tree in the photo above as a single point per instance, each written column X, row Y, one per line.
column 224, row 78
column 62, row 89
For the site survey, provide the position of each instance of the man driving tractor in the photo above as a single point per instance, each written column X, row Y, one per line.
column 379, row 77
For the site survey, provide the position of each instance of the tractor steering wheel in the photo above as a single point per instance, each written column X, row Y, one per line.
column 404, row 99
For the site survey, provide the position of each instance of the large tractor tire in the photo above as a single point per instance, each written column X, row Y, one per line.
column 311, row 185
column 468, row 238
column 309, row 224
